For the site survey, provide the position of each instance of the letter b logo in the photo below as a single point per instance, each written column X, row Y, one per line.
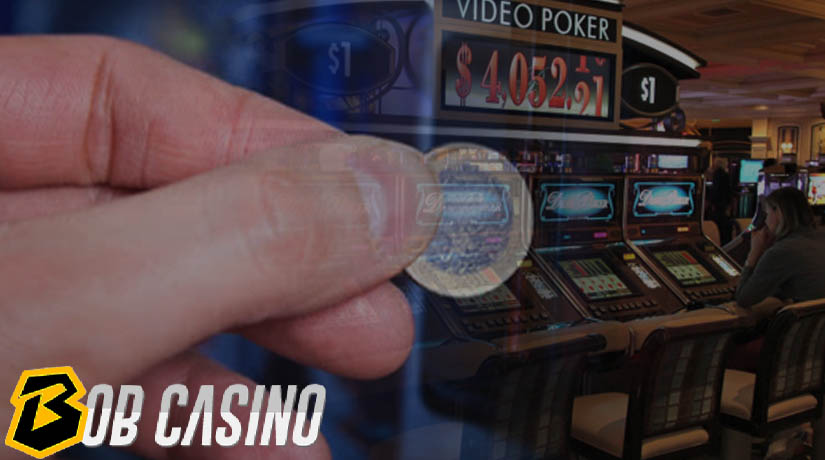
column 48, row 416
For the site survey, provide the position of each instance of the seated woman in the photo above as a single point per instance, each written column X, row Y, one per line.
column 785, row 262
column 786, row 257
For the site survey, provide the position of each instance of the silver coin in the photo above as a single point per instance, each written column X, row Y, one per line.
column 484, row 215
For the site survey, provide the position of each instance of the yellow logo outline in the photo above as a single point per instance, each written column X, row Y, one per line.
column 47, row 395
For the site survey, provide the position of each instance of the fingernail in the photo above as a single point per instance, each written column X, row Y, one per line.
column 389, row 175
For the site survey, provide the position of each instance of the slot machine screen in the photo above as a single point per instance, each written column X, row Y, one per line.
column 673, row 161
column 685, row 267
column 749, row 171
column 816, row 189
column 595, row 278
column 663, row 201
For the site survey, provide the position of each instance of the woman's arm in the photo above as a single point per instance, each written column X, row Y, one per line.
column 762, row 280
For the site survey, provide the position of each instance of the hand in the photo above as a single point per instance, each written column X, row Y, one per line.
column 761, row 240
column 135, row 223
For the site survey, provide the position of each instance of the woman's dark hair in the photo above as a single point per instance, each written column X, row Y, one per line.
column 796, row 212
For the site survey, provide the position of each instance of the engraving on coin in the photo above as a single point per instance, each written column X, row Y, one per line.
column 484, row 216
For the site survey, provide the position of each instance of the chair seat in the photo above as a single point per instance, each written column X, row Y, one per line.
column 599, row 421
column 737, row 398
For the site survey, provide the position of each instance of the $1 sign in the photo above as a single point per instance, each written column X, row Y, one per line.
column 335, row 62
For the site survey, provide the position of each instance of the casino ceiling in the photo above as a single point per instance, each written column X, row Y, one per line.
column 766, row 58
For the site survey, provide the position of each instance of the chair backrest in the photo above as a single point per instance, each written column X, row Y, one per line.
column 710, row 230
column 792, row 359
column 680, row 380
column 519, row 405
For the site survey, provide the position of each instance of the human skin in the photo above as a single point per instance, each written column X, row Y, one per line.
column 146, row 206
column 763, row 238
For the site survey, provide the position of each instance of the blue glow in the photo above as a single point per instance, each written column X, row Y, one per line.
column 570, row 202
column 654, row 199
column 749, row 171
column 362, row 60
column 647, row 242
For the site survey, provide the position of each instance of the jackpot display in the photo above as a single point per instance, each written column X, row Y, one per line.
column 502, row 76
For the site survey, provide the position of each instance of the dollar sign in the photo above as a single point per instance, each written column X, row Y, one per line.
column 464, row 83
column 332, row 52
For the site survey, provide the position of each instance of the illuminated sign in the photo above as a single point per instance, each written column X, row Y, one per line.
column 574, row 202
column 527, row 16
column 673, row 161
column 338, row 58
column 656, row 199
column 494, row 76
column 816, row 189
column 450, row 204
column 649, row 90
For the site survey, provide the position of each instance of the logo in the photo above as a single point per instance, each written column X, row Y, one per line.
column 455, row 204
column 48, row 415
column 572, row 202
column 663, row 199
column 668, row 199
column 557, row 201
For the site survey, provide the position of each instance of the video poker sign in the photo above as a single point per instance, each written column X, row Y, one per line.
column 528, row 16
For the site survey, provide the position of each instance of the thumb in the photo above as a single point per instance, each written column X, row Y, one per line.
column 119, row 287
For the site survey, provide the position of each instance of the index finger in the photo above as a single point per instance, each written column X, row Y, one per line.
column 95, row 110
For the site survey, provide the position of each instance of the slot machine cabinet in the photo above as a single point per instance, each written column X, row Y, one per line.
column 527, row 302
column 578, row 243
column 663, row 225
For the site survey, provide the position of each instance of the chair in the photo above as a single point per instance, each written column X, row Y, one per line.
column 788, row 386
column 517, row 405
column 672, row 408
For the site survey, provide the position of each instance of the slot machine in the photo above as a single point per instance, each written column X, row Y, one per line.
column 526, row 302
column 578, row 243
column 663, row 225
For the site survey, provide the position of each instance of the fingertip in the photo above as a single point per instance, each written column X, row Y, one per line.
column 401, row 172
